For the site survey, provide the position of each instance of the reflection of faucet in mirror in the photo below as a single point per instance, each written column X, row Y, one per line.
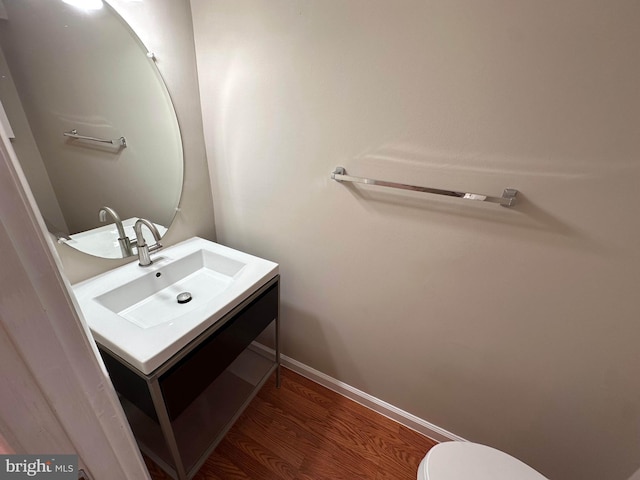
column 144, row 259
column 123, row 240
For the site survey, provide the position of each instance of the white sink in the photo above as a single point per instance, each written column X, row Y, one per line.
column 135, row 313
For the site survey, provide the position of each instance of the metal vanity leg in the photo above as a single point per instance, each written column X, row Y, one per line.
column 278, row 379
column 167, row 430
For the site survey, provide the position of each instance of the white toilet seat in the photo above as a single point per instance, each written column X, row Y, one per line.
column 472, row 461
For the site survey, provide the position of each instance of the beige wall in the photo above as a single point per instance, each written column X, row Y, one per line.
column 166, row 29
column 514, row 327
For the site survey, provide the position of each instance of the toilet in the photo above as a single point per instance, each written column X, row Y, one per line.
column 472, row 461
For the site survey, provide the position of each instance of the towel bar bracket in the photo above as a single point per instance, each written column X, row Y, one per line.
column 510, row 195
column 338, row 171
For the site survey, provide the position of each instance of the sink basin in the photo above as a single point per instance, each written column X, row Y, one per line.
column 152, row 299
column 147, row 314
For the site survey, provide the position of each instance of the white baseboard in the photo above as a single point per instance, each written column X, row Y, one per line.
column 383, row 408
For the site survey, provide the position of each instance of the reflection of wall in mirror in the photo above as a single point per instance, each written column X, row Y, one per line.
column 49, row 46
column 28, row 153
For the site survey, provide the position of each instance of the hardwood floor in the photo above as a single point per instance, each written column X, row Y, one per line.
column 304, row 431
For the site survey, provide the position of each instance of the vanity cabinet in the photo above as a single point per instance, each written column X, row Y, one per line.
column 182, row 410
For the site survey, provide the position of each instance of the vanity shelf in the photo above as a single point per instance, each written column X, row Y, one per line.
column 182, row 410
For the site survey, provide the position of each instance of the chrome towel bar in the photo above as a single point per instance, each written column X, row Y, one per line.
column 122, row 142
column 508, row 198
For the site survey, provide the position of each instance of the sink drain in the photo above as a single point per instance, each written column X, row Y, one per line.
column 184, row 297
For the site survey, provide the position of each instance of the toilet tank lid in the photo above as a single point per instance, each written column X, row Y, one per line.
column 472, row 461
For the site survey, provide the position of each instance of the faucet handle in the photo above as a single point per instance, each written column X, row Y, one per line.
column 153, row 248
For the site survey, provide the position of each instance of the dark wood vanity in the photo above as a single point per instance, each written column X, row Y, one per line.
column 183, row 409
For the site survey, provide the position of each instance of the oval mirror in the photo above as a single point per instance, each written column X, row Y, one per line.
column 93, row 125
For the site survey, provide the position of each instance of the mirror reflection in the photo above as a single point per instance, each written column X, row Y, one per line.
column 93, row 125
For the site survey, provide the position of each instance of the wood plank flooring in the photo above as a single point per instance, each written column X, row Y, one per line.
column 304, row 431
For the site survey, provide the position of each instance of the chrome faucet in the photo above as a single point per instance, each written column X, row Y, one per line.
column 123, row 240
column 144, row 258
